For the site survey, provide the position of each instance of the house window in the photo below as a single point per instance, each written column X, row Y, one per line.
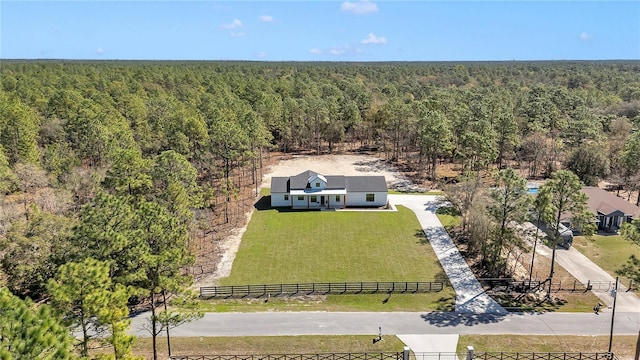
column 314, row 198
column 317, row 184
column 337, row 197
column 370, row 197
column 300, row 198
column 286, row 197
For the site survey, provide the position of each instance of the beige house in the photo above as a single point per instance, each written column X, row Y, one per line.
column 610, row 210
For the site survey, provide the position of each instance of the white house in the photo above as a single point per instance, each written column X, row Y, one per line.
column 310, row 190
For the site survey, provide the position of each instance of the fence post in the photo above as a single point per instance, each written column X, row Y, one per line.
column 405, row 353
column 470, row 352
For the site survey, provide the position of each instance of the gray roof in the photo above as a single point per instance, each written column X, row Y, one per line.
column 335, row 182
column 301, row 180
column 350, row 183
column 603, row 202
column 366, row 183
column 279, row 184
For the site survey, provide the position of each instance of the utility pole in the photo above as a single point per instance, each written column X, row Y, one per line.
column 614, row 294
column 535, row 243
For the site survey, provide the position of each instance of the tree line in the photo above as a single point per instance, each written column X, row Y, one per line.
column 111, row 171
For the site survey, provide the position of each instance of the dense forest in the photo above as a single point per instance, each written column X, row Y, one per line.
column 132, row 163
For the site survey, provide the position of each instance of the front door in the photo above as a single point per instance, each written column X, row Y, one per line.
column 322, row 200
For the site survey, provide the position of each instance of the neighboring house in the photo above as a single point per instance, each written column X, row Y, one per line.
column 610, row 211
column 310, row 190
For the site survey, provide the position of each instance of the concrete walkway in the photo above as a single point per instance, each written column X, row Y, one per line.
column 443, row 344
column 470, row 296
column 585, row 270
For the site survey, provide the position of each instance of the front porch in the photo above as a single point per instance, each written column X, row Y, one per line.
column 612, row 222
column 319, row 201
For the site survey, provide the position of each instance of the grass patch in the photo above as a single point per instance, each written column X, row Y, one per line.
column 430, row 192
column 441, row 301
column 449, row 221
column 623, row 346
column 609, row 252
column 314, row 246
column 263, row 345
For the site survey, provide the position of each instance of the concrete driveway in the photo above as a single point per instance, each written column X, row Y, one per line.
column 470, row 296
column 585, row 270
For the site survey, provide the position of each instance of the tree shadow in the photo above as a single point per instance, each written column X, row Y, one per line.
column 447, row 319
column 264, row 203
column 422, row 238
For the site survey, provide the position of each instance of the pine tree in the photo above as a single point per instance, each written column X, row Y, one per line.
column 511, row 202
column 84, row 294
column 28, row 331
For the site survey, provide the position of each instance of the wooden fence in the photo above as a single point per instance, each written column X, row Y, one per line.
column 496, row 285
column 543, row 356
column 242, row 291
column 320, row 356
column 490, row 285
column 414, row 356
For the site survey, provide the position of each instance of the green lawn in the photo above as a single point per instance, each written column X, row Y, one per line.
column 608, row 252
column 449, row 221
column 333, row 246
column 263, row 345
column 623, row 345
column 430, row 192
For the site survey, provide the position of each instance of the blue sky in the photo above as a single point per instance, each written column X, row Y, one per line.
column 353, row 30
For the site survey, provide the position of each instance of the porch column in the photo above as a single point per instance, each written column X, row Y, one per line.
column 308, row 201
column 328, row 201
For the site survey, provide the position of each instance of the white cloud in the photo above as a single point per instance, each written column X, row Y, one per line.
column 266, row 18
column 99, row 51
column 372, row 39
column 233, row 25
column 237, row 34
column 261, row 54
column 585, row 36
column 336, row 51
column 359, row 7
column 315, row 51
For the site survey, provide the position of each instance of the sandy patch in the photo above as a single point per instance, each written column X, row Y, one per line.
column 351, row 165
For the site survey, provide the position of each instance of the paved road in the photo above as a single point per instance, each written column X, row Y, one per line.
column 367, row 323
column 470, row 297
